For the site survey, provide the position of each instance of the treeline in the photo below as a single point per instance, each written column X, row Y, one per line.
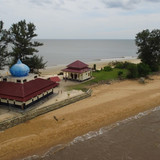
column 148, row 44
column 134, row 70
column 19, row 36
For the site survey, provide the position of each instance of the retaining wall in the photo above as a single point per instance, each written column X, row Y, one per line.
column 27, row 115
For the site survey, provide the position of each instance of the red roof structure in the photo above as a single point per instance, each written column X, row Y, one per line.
column 24, row 92
column 55, row 79
column 77, row 67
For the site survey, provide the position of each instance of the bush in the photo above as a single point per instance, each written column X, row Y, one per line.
column 120, row 73
column 94, row 67
column 122, row 65
column 132, row 71
column 119, row 65
column 143, row 69
column 108, row 68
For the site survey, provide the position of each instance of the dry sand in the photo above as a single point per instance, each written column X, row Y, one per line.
column 108, row 104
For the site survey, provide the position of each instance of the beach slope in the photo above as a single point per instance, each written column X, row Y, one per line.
column 108, row 104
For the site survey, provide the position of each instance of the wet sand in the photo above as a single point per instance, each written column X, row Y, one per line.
column 108, row 104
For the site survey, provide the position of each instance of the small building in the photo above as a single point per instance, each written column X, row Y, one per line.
column 55, row 79
column 21, row 89
column 78, row 71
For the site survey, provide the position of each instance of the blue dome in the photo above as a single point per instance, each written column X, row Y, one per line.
column 19, row 69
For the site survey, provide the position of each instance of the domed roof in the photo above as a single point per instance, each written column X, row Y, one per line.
column 19, row 69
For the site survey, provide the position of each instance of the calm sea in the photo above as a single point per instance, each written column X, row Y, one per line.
column 58, row 52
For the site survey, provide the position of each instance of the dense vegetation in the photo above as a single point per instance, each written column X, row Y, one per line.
column 20, row 37
column 4, row 40
column 134, row 70
column 148, row 43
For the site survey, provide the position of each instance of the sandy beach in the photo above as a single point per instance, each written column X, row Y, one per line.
column 108, row 104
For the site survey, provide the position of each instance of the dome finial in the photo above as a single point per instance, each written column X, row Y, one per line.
column 19, row 61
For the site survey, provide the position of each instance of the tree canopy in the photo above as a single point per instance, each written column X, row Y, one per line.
column 3, row 45
column 20, row 37
column 148, row 43
column 23, row 45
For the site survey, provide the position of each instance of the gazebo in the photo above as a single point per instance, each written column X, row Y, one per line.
column 78, row 71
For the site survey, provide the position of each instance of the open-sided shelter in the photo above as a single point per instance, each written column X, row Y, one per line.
column 77, row 71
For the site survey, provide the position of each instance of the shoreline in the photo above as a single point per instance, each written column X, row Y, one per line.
column 99, row 64
column 107, row 105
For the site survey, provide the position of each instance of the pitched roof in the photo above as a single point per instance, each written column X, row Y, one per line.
column 55, row 79
column 77, row 64
column 76, row 70
column 25, row 91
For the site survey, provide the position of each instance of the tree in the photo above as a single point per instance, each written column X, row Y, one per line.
column 3, row 45
column 23, row 47
column 35, row 63
column 148, row 44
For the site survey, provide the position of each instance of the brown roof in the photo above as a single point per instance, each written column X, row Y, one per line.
column 78, row 65
column 25, row 91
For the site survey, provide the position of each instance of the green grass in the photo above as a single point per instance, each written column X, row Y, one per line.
column 99, row 76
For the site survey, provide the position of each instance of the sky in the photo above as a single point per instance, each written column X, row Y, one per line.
column 83, row 19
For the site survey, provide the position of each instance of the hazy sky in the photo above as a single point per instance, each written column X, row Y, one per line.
column 84, row 19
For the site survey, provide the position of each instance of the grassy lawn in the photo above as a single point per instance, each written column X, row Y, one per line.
column 99, row 76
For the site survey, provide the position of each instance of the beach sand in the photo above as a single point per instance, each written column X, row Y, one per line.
column 108, row 104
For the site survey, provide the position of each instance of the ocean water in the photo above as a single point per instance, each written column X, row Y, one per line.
column 135, row 138
column 58, row 52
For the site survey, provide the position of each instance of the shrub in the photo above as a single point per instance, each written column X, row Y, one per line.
column 120, row 73
column 122, row 65
column 143, row 69
column 119, row 65
column 132, row 71
column 108, row 68
column 94, row 67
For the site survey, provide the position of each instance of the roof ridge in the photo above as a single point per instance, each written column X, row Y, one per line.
column 77, row 64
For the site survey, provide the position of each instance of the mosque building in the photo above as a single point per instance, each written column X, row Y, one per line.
column 23, row 89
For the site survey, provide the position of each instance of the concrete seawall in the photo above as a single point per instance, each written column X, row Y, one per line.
column 27, row 115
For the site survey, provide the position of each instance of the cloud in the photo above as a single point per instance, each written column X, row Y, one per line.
column 41, row 2
column 83, row 18
column 126, row 4
column 152, row 0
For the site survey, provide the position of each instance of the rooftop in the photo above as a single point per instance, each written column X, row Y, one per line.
column 25, row 91
column 78, row 65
